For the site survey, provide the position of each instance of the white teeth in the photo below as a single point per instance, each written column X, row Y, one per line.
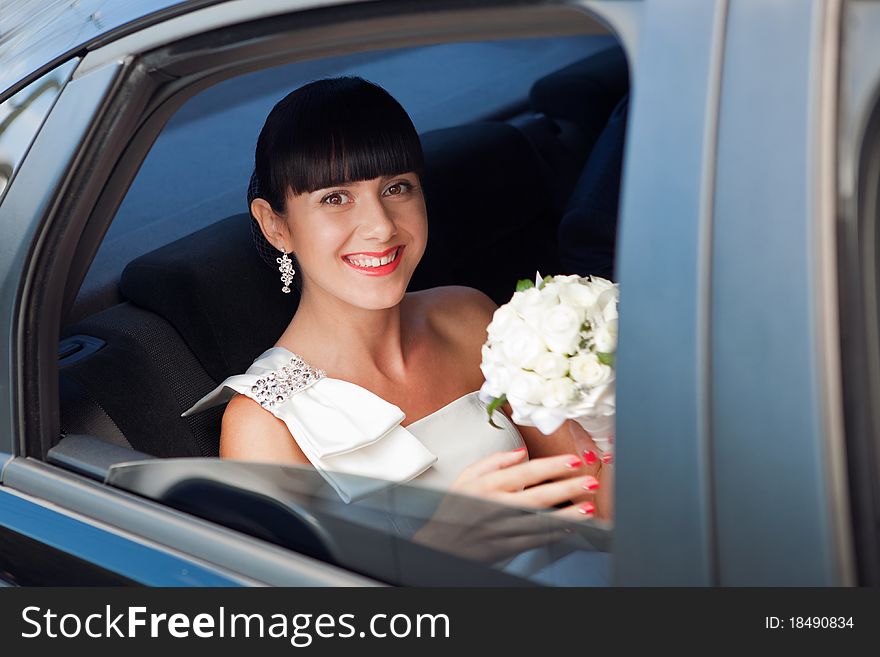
column 374, row 262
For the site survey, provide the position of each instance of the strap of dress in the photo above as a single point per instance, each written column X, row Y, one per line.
column 347, row 432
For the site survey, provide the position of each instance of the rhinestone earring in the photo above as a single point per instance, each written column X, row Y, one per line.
column 285, row 266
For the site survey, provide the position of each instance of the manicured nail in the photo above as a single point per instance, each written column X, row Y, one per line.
column 590, row 483
column 589, row 457
column 574, row 463
column 587, row 509
column 518, row 450
column 608, row 458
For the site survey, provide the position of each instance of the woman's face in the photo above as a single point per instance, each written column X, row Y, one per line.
column 360, row 241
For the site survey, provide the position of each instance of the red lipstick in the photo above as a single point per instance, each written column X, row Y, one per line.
column 380, row 270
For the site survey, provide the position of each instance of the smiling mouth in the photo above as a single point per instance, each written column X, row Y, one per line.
column 377, row 264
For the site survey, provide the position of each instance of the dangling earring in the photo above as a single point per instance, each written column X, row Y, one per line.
column 285, row 266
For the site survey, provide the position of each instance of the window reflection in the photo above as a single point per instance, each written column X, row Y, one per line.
column 21, row 116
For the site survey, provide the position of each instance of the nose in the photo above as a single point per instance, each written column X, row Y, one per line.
column 377, row 221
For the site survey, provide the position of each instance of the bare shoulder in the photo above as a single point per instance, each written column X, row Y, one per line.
column 458, row 314
column 456, row 306
column 251, row 433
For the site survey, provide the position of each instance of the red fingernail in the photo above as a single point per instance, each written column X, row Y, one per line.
column 589, row 457
column 587, row 508
column 608, row 458
column 590, row 483
column 574, row 463
column 518, row 450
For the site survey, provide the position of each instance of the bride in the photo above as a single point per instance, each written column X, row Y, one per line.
column 340, row 211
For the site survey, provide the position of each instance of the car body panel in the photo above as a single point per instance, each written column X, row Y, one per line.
column 36, row 35
column 662, row 481
column 108, row 550
column 730, row 451
column 22, row 211
column 767, row 375
column 230, row 552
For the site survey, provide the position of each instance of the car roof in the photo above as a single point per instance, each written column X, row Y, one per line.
column 37, row 35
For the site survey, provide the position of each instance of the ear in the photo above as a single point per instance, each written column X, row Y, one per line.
column 272, row 225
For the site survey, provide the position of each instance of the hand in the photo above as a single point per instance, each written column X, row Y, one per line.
column 541, row 483
column 572, row 438
column 496, row 526
column 597, row 463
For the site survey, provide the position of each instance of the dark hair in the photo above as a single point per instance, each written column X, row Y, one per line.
column 327, row 133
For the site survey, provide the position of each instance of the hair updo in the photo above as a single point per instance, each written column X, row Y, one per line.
column 327, row 133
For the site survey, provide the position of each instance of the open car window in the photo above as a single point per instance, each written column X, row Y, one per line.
column 405, row 534
column 178, row 299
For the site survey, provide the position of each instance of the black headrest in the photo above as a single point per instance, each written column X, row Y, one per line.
column 489, row 225
column 488, row 209
column 584, row 92
column 588, row 229
column 214, row 288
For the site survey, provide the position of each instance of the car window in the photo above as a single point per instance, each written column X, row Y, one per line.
column 156, row 325
column 198, row 169
column 404, row 534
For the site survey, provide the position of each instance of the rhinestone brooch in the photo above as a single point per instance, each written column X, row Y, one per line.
column 276, row 387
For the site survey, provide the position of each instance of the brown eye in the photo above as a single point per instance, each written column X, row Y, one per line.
column 398, row 188
column 336, row 198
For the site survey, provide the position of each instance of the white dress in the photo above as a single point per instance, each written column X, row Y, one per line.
column 358, row 443
column 345, row 429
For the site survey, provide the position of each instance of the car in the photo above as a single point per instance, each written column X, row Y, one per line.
column 740, row 139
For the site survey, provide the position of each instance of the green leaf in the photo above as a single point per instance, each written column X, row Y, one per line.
column 606, row 358
column 547, row 279
column 490, row 409
column 524, row 284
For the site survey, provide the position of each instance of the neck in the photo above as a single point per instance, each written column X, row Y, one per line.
column 362, row 340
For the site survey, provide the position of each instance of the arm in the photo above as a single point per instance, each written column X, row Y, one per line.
column 251, row 433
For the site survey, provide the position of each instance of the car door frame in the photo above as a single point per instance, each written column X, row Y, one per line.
column 72, row 173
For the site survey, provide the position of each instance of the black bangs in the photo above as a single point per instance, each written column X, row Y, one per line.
column 330, row 132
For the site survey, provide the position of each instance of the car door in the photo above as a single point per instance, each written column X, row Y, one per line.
column 730, row 454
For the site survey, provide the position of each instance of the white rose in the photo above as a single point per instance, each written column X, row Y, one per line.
column 577, row 294
column 607, row 304
column 503, row 321
column 560, row 328
column 550, row 291
column 521, row 346
column 587, row 370
column 525, row 387
column 557, row 392
column 522, row 301
column 491, row 355
column 605, row 337
column 570, row 278
column 532, row 304
column 550, row 365
column 497, row 379
column 600, row 284
column 599, row 400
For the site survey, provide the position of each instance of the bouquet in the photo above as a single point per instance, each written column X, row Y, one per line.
column 550, row 354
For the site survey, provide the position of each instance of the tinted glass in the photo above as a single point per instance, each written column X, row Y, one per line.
column 405, row 534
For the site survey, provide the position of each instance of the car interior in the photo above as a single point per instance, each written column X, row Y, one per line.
column 159, row 336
